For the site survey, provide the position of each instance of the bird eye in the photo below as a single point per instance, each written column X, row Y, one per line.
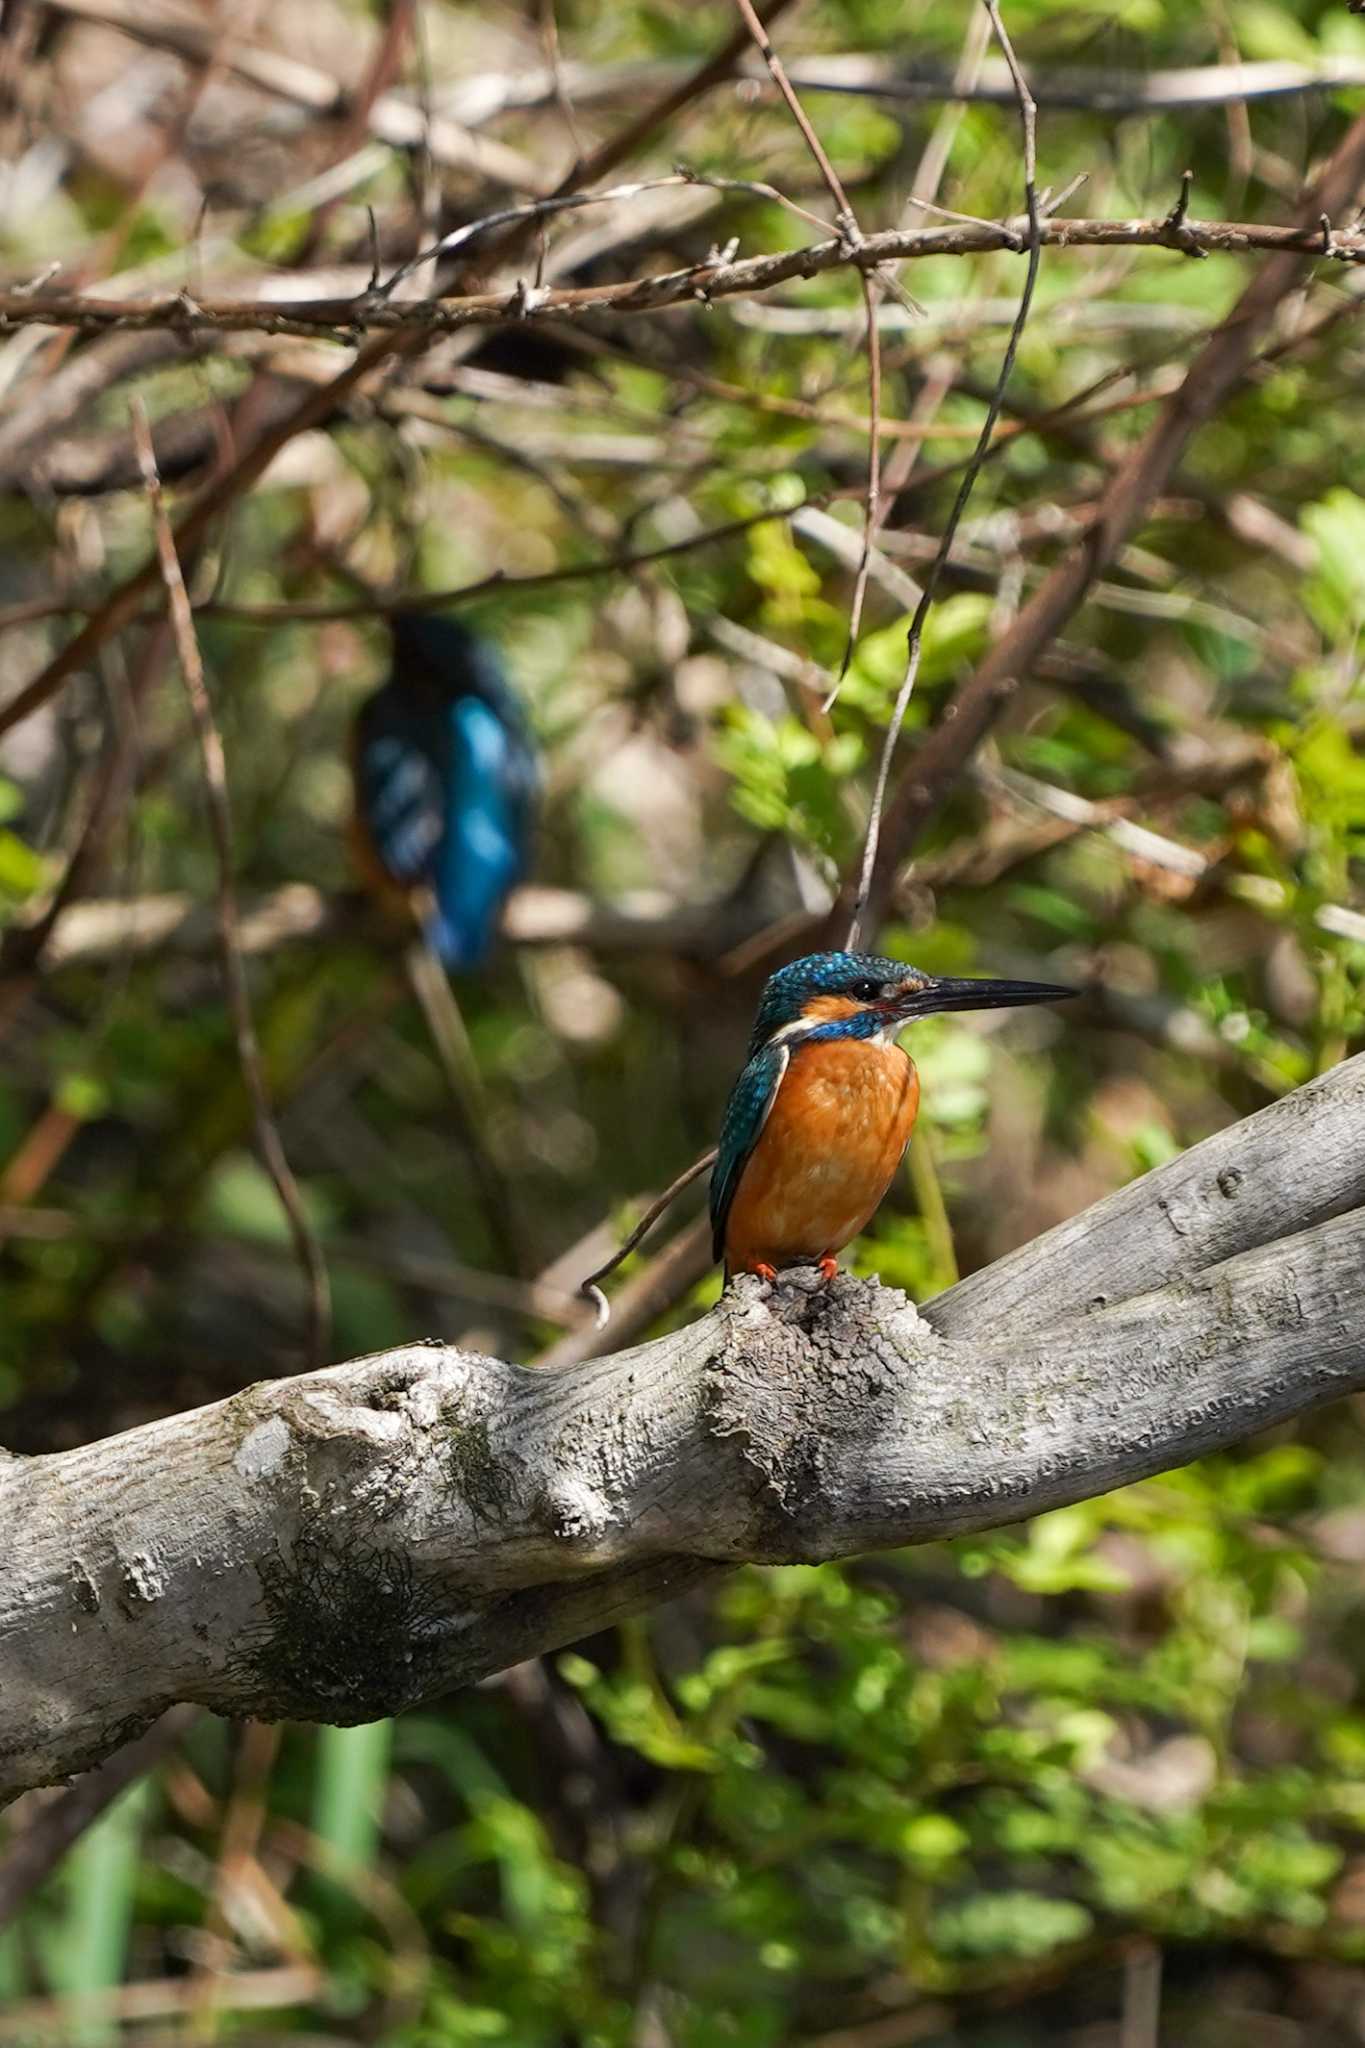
column 866, row 990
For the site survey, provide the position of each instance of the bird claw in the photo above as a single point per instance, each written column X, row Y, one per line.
column 827, row 1268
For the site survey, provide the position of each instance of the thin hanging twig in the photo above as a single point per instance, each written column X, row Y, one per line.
column 851, row 235
column 455, row 1056
column 848, row 227
column 589, row 1288
column 214, row 764
column 1028, row 122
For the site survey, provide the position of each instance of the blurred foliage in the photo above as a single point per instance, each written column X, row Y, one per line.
column 965, row 1795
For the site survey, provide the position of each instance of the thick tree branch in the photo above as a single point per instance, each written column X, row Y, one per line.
column 647, row 920
column 342, row 1545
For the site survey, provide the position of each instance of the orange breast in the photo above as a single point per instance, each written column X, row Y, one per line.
column 825, row 1157
column 374, row 876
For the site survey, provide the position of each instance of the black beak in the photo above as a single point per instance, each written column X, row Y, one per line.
column 949, row 993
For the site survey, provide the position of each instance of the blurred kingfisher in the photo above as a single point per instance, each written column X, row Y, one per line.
column 820, row 1117
column 445, row 784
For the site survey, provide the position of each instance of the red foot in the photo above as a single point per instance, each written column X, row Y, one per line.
column 764, row 1272
column 829, row 1266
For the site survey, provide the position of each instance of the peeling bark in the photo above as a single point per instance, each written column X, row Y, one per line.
column 342, row 1545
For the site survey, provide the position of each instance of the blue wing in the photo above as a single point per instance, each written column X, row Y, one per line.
column 446, row 781
column 751, row 1100
column 490, row 778
column 398, row 787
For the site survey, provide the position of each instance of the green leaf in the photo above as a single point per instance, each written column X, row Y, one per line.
column 1018, row 1924
column 1336, row 593
column 22, row 871
column 83, row 1096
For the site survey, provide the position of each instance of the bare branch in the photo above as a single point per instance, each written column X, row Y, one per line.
column 1027, row 119
column 345, row 1544
column 315, row 610
column 589, row 1288
column 391, row 117
column 40, row 1846
column 850, row 232
column 536, row 915
column 405, row 340
column 1082, row 91
column 1215, row 371
column 342, row 320
column 268, row 1141
column 863, row 75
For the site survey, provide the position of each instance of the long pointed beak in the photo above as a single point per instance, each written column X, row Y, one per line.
column 973, row 993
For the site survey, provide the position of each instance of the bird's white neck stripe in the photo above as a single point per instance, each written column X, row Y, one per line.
column 806, row 1027
column 800, row 1027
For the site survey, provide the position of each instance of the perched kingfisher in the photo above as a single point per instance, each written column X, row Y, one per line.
column 820, row 1117
column 445, row 784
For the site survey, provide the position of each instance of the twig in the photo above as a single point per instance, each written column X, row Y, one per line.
column 406, row 340
column 341, row 319
column 644, row 1297
column 924, row 185
column 589, row 1288
column 537, row 211
column 408, row 601
column 238, row 1843
column 1178, row 232
column 392, row 117
column 357, row 118
column 692, row 87
column 214, row 767
column 278, row 1989
column 549, row 36
column 1227, row 353
column 296, row 914
column 1141, row 2021
column 60, row 1822
column 531, row 214
column 1028, row 123
column 115, row 779
column 1178, row 214
column 1090, row 92
column 120, row 607
column 863, row 75
column 850, row 233
column 455, row 1057
column 763, row 44
column 941, row 373
column 756, row 188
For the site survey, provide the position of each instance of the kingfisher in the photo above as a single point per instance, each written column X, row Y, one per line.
column 821, row 1114
column 445, row 785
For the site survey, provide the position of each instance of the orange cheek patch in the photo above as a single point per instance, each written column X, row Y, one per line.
column 830, row 1009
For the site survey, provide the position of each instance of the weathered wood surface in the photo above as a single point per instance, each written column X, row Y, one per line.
column 341, row 1545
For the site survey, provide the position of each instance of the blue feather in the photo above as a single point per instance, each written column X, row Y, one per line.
column 483, row 851
column 751, row 1099
column 782, row 1007
column 445, row 780
column 786, row 993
